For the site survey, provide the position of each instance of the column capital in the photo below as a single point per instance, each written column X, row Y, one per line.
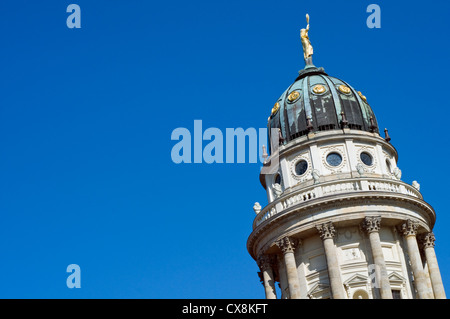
column 427, row 240
column 326, row 230
column 287, row 244
column 409, row 228
column 371, row 224
column 265, row 261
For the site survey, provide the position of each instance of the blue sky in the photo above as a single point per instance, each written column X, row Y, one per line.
column 86, row 117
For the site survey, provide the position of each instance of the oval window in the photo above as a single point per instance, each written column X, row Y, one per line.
column 301, row 167
column 334, row 159
column 366, row 158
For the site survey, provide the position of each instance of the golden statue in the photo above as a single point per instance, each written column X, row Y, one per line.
column 307, row 47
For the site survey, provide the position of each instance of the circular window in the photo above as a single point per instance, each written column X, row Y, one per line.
column 360, row 294
column 366, row 158
column 278, row 179
column 301, row 167
column 334, row 159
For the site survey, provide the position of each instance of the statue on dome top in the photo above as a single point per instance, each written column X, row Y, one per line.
column 307, row 47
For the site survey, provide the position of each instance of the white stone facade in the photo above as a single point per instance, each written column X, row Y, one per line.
column 314, row 152
column 349, row 230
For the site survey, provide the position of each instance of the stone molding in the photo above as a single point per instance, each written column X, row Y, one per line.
column 338, row 202
column 372, row 151
column 287, row 244
column 427, row 240
column 353, row 188
column 371, row 224
column 409, row 228
column 326, row 230
column 265, row 262
column 307, row 174
column 340, row 149
column 303, row 142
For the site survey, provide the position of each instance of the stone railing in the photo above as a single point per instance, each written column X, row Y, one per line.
column 331, row 188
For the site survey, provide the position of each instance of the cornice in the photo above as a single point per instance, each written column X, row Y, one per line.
column 339, row 201
column 332, row 136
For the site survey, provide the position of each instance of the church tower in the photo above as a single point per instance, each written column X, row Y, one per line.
column 340, row 223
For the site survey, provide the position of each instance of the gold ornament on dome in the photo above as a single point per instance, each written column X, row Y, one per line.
column 344, row 89
column 306, row 44
column 319, row 89
column 275, row 108
column 362, row 96
column 293, row 96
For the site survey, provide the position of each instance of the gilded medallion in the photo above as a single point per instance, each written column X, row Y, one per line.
column 319, row 89
column 344, row 89
column 275, row 108
column 293, row 96
column 362, row 96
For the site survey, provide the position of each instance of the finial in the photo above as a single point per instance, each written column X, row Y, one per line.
column 307, row 47
column 309, row 125
column 280, row 137
column 264, row 154
column 344, row 122
column 372, row 125
column 386, row 135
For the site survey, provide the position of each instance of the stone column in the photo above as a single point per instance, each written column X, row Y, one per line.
column 427, row 241
column 409, row 230
column 327, row 232
column 372, row 226
column 287, row 246
column 265, row 263
column 301, row 272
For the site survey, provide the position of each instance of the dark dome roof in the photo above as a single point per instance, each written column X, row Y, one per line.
column 319, row 102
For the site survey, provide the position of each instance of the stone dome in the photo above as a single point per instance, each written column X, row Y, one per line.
column 319, row 102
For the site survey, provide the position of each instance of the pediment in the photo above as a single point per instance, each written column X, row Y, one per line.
column 356, row 279
column 317, row 288
column 394, row 277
